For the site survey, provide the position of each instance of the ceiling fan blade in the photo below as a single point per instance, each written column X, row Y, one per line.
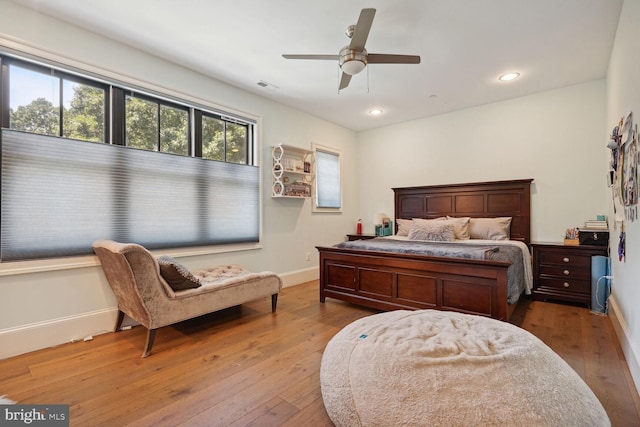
column 363, row 26
column 383, row 58
column 330, row 57
column 344, row 81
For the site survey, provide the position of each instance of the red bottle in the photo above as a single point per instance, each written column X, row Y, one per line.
column 359, row 227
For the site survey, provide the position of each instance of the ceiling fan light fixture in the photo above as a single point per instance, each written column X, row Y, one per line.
column 353, row 67
column 352, row 61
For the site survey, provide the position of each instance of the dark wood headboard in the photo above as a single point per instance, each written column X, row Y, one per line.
column 476, row 200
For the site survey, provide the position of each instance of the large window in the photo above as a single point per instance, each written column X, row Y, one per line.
column 166, row 174
column 328, row 188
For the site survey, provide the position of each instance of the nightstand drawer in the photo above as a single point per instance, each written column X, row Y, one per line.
column 566, row 271
column 563, row 258
column 569, row 285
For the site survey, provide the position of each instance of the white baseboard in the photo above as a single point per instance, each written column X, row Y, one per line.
column 36, row 336
column 296, row 277
column 622, row 331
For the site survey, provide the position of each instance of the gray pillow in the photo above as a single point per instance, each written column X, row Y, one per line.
column 177, row 275
column 435, row 231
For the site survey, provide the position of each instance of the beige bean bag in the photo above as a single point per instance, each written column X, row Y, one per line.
column 439, row 368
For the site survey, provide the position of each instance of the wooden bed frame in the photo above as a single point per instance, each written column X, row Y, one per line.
column 388, row 281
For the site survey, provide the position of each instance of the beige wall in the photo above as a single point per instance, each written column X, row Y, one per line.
column 553, row 137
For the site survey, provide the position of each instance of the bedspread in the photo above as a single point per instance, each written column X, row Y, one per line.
column 519, row 273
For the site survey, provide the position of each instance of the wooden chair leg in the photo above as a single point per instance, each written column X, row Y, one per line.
column 274, row 302
column 151, row 335
column 119, row 321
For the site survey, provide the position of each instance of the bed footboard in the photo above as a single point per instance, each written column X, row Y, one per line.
column 387, row 281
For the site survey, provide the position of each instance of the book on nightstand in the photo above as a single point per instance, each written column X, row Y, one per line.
column 597, row 225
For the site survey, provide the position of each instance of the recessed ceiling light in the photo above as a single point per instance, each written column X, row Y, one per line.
column 375, row 112
column 508, row 76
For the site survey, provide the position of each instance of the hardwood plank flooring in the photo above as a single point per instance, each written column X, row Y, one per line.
column 247, row 367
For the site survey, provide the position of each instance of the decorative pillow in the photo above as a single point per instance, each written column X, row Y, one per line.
column 490, row 228
column 460, row 227
column 176, row 274
column 404, row 226
column 435, row 231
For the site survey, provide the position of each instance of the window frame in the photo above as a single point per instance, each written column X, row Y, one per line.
column 147, row 98
column 62, row 75
column 116, row 86
column 332, row 151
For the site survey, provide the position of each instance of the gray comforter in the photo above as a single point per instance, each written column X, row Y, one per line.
column 515, row 273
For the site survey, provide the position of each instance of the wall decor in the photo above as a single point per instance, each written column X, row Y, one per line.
column 624, row 165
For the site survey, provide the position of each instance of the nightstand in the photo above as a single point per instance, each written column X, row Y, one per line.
column 563, row 273
column 351, row 237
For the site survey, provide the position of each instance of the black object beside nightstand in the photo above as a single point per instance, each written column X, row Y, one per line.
column 352, row 237
column 562, row 272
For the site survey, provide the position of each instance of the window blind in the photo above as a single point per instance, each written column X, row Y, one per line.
column 58, row 196
column 328, row 180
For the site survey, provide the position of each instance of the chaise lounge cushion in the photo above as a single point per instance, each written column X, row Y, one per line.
column 176, row 274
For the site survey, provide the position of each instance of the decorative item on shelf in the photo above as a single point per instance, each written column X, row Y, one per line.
column 571, row 237
column 293, row 165
column 277, row 189
column 387, row 227
column 594, row 232
column 359, row 227
column 307, row 167
column 382, row 223
column 298, row 189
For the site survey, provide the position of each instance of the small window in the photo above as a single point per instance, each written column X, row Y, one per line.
column 328, row 188
column 223, row 140
column 155, row 126
column 48, row 102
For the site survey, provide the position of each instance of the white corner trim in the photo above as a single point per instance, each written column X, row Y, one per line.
column 36, row 336
column 622, row 331
column 297, row 277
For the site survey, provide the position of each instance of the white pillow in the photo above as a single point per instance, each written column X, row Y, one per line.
column 460, row 227
column 435, row 231
column 490, row 228
column 404, row 225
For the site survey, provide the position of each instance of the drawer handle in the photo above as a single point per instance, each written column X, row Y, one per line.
column 566, row 285
column 565, row 259
column 566, row 272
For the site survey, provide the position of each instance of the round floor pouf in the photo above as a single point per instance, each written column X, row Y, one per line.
column 438, row 368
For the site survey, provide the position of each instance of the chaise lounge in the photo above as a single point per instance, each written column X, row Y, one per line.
column 157, row 292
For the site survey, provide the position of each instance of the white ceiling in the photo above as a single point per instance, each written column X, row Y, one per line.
column 464, row 44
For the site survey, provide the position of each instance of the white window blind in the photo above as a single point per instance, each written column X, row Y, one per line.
column 58, row 196
column 328, row 187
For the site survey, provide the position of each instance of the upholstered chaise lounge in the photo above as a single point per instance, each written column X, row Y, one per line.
column 160, row 292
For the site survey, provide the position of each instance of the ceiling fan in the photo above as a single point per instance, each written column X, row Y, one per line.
column 354, row 57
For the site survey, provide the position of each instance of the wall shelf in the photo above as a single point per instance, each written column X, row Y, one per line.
column 292, row 172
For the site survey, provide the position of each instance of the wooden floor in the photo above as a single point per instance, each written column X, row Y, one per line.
column 245, row 366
